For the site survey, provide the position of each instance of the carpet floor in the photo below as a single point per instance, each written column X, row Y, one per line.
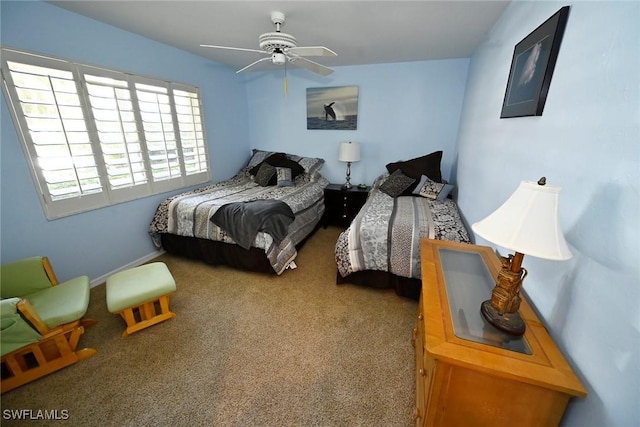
column 245, row 349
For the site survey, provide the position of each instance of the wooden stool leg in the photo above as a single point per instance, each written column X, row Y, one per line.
column 164, row 304
column 147, row 311
column 128, row 316
column 148, row 315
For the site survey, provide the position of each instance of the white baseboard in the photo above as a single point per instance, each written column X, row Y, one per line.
column 102, row 279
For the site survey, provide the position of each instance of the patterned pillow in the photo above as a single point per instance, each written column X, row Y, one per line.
column 308, row 165
column 264, row 174
column 257, row 157
column 284, row 177
column 271, row 159
column 431, row 189
column 285, row 162
column 396, row 183
column 311, row 165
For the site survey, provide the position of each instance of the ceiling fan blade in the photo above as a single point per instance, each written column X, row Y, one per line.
column 233, row 48
column 311, row 51
column 310, row 65
column 252, row 64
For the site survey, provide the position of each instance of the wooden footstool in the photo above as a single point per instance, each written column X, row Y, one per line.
column 141, row 296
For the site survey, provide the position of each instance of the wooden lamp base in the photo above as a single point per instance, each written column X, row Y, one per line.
column 510, row 323
column 501, row 310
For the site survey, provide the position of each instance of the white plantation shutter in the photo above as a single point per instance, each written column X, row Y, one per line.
column 194, row 150
column 157, row 122
column 50, row 120
column 117, row 131
column 96, row 137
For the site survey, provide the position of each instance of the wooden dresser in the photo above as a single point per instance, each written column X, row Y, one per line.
column 468, row 373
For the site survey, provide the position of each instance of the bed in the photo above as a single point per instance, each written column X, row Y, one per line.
column 409, row 201
column 285, row 189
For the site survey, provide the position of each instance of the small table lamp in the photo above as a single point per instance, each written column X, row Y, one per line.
column 526, row 223
column 349, row 152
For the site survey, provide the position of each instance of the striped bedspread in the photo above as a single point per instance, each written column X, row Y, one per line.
column 386, row 233
column 189, row 214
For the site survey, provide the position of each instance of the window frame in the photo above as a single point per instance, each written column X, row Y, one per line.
column 107, row 196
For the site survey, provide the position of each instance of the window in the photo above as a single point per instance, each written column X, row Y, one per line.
column 95, row 137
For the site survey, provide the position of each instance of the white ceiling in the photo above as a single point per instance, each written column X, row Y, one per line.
column 360, row 32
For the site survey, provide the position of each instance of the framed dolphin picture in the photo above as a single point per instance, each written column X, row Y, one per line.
column 332, row 108
column 532, row 65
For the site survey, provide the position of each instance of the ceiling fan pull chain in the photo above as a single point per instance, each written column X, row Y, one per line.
column 286, row 80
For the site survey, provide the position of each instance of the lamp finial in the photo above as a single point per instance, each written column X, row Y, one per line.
column 542, row 181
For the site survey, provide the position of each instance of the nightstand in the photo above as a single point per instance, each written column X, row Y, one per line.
column 467, row 372
column 342, row 205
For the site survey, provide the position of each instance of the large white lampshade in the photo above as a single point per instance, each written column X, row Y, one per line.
column 527, row 223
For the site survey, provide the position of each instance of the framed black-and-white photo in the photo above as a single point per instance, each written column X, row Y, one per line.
column 332, row 107
column 534, row 59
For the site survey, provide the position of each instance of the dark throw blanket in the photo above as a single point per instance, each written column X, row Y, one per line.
column 243, row 220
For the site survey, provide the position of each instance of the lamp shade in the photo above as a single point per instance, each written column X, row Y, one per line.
column 349, row 152
column 527, row 223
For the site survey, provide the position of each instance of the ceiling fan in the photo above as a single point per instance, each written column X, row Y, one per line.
column 281, row 47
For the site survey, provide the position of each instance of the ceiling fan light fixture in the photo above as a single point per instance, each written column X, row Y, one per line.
column 278, row 58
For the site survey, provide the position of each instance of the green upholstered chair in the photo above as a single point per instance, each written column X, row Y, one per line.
column 41, row 321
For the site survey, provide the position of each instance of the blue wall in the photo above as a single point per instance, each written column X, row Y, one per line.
column 101, row 241
column 587, row 142
column 405, row 110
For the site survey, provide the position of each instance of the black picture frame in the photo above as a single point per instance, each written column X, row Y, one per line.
column 532, row 65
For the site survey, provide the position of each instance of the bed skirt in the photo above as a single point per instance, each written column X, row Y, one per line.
column 220, row 253
column 217, row 253
column 404, row 286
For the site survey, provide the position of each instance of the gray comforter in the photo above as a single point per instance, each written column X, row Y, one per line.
column 189, row 214
column 386, row 233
